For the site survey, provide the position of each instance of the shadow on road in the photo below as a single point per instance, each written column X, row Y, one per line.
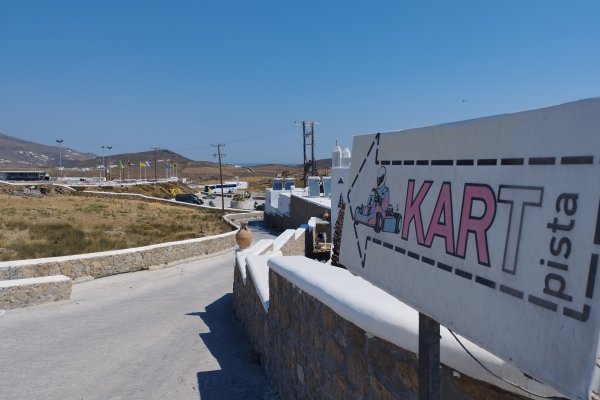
column 261, row 227
column 240, row 377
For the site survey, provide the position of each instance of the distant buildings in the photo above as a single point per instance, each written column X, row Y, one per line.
column 289, row 207
column 24, row 176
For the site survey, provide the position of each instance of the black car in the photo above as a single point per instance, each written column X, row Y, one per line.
column 188, row 198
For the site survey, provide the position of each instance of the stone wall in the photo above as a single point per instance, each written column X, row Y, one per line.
column 97, row 265
column 297, row 245
column 301, row 211
column 235, row 219
column 312, row 352
column 249, row 309
column 30, row 282
column 17, row 293
column 276, row 221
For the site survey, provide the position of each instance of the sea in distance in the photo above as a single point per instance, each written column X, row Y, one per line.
column 264, row 163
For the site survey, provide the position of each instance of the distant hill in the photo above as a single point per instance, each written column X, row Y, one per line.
column 22, row 154
column 324, row 163
column 16, row 154
column 161, row 155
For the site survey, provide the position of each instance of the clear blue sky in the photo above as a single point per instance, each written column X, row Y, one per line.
column 185, row 74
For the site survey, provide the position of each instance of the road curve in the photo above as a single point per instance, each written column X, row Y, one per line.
column 165, row 334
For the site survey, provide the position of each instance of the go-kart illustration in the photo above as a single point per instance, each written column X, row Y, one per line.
column 378, row 213
column 374, row 216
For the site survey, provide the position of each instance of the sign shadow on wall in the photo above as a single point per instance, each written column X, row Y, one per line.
column 240, row 376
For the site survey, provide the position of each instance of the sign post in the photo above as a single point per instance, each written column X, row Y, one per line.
column 492, row 228
column 429, row 358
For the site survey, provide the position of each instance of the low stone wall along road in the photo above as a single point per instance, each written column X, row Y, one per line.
column 163, row 334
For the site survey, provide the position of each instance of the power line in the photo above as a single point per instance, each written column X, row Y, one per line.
column 272, row 132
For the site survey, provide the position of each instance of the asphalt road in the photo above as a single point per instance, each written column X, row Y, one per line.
column 165, row 334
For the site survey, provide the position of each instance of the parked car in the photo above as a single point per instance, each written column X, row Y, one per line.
column 188, row 198
column 259, row 207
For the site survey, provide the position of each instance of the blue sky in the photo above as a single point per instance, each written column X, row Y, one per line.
column 184, row 74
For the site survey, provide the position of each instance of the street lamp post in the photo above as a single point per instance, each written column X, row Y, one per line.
column 59, row 141
column 109, row 163
column 103, row 164
column 219, row 155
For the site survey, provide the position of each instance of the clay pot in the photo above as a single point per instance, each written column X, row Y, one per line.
column 244, row 236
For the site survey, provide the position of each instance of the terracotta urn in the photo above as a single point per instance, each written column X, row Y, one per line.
column 244, row 236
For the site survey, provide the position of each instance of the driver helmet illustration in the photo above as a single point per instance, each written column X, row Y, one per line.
column 381, row 177
column 381, row 194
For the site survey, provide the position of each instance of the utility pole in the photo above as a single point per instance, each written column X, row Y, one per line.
column 304, row 166
column 219, row 154
column 155, row 150
column 309, row 166
column 59, row 141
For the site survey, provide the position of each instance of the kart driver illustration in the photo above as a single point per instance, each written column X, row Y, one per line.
column 378, row 213
column 380, row 195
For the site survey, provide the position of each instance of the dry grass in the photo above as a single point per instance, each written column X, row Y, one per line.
column 160, row 190
column 35, row 227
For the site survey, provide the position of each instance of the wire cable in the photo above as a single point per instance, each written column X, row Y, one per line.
column 272, row 132
column 499, row 377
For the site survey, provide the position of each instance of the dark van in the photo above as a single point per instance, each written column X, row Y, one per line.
column 188, row 198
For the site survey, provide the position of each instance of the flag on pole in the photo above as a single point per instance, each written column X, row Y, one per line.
column 142, row 164
column 129, row 163
column 121, row 164
column 147, row 163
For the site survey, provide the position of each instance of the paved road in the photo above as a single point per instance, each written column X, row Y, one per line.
column 226, row 201
column 166, row 334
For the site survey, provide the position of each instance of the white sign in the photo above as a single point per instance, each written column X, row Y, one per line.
column 492, row 227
